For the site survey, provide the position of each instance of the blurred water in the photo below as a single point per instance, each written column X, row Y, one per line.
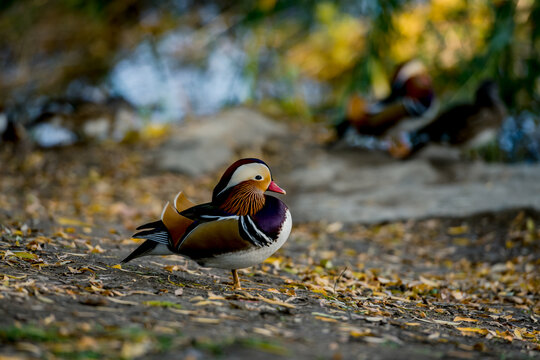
column 158, row 77
column 519, row 138
column 48, row 135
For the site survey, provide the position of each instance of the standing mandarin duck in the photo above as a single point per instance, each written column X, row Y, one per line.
column 239, row 228
column 411, row 96
column 467, row 125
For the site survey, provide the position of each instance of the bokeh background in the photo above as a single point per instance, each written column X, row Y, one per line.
column 302, row 59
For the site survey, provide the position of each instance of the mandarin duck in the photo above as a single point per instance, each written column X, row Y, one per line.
column 467, row 125
column 411, row 96
column 239, row 228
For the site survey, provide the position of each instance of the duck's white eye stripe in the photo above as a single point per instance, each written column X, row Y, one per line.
column 246, row 172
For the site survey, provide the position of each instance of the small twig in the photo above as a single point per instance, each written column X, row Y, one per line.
column 339, row 277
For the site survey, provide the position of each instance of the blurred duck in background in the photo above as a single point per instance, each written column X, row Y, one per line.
column 66, row 121
column 11, row 131
column 468, row 125
column 411, row 97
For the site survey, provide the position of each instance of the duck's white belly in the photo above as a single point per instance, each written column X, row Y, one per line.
column 247, row 258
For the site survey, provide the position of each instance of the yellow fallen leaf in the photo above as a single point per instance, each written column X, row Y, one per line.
column 458, row 295
column 276, row 302
column 183, row 312
column 461, row 241
column 117, row 266
column 155, row 131
column 172, row 268
column 356, row 333
column 196, row 298
column 320, row 291
column 262, row 331
column 272, row 260
column 466, row 319
column 206, row 320
column 473, row 330
column 458, row 230
column 25, row 255
column 44, row 299
column 517, row 334
column 504, row 335
column 412, row 324
column 123, row 302
column 429, row 282
column 71, row 222
column 208, row 302
column 325, row 319
column 97, row 250
column 15, row 277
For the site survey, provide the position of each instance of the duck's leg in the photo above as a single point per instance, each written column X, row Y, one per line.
column 236, row 280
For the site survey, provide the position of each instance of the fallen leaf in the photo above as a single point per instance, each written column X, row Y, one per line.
column 325, row 319
column 374, row 318
column 71, row 222
column 466, row 319
column 206, row 320
column 25, row 255
column 458, row 230
column 476, row 330
column 165, row 304
column 428, row 282
column 123, row 302
column 276, row 302
column 262, row 331
column 208, row 302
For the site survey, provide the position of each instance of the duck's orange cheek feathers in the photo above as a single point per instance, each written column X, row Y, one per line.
column 245, row 199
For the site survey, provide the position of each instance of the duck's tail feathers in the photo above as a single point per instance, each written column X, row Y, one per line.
column 154, row 231
column 157, row 240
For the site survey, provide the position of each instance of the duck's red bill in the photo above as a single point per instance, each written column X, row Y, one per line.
column 275, row 188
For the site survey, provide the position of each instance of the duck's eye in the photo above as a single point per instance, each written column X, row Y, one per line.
column 258, row 177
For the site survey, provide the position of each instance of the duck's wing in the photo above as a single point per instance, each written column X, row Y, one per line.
column 175, row 223
column 212, row 233
column 166, row 232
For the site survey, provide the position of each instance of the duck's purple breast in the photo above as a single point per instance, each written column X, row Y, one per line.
column 271, row 217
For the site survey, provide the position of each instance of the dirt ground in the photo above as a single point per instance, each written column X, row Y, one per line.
column 432, row 289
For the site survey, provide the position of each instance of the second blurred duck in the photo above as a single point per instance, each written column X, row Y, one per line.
column 467, row 125
column 411, row 96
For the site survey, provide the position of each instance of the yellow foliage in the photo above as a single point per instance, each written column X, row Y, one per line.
column 332, row 48
column 441, row 31
column 326, row 12
column 441, row 8
column 267, row 5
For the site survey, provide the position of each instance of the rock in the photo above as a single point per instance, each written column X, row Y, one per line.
column 209, row 143
column 341, row 188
